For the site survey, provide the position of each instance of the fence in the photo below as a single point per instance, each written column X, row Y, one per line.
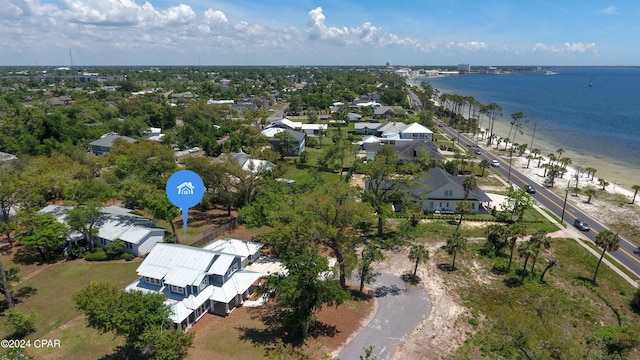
column 213, row 233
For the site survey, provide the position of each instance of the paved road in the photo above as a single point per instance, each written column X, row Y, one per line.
column 628, row 254
column 400, row 308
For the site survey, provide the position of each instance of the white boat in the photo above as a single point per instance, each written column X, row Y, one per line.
column 549, row 72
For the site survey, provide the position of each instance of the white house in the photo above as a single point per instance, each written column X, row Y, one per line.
column 140, row 234
column 247, row 250
column 196, row 281
column 241, row 158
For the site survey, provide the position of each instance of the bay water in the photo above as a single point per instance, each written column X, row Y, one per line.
column 591, row 112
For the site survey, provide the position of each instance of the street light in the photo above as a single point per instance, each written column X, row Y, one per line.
column 564, row 206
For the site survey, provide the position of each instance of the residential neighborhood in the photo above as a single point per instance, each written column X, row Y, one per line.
column 335, row 199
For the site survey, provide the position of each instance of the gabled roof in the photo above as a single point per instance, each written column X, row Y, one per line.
column 221, row 264
column 176, row 256
column 415, row 128
column 382, row 110
column 366, row 125
column 407, row 150
column 271, row 133
column 391, row 127
column 6, row 157
column 233, row 246
column 106, row 140
column 286, row 122
column 437, row 178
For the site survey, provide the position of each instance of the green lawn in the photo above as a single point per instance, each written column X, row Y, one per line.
column 49, row 295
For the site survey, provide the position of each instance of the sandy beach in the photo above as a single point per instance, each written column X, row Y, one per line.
column 617, row 174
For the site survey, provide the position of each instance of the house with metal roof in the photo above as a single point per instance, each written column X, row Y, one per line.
column 139, row 233
column 106, row 142
column 248, row 164
column 297, row 145
column 196, row 281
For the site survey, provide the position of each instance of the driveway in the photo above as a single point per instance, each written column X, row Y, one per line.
column 400, row 308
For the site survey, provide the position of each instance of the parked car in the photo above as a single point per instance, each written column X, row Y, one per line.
column 581, row 224
column 495, row 163
column 530, row 189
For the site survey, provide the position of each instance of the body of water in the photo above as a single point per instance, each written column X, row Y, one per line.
column 599, row 125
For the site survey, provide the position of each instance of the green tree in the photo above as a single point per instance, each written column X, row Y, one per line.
column 84, row 218
column 462, row 207
column 518, row 202
column 142, row 319
column 42, row 232
column 455, row 243
column 484, row 165
column 635, row 189
column 602, row 182
column 382, row 183
column 527, row 251
column 514, row 232
column 334, row 209
column 551, row 264
column 21, row 322
column 497, row 238
column 608, row 241
column 539, row 240
column 590, row 192
column 419, row 254
column 370, row 253
column 158, row 204
column 285, row 143
column 303, row 290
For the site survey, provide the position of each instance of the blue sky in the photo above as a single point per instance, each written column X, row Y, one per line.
column 333, row 32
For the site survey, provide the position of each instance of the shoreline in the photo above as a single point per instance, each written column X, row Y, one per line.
column 617, row 173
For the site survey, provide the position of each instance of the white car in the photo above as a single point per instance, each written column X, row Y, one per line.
column 495, row 163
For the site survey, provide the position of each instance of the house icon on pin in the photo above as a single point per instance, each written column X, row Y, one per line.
column 186, row 188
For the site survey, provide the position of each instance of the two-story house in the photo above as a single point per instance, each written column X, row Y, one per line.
column 196, row 281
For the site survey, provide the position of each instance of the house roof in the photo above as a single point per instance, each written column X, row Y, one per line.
column 415, row 128
column 170, row 256
column 114, row 223
column 247, row 164
column 314, row 127
column 286, row 122
column 407, row 150
column 233, row 246
column 437, row 178
column 271, row 133
column 106, row 140
column 221, row 264
column 366, row 125
column 181, row 276
column 6, row 157
column 381, row 110
column 391, row 127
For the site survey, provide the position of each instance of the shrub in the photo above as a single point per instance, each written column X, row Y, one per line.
column 75, row 252
column 127, row 257
column 97, row 255
column 22, row 323
column 115, row 248
column 635, row 302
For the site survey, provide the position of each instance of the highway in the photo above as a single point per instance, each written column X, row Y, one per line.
column 628, row 253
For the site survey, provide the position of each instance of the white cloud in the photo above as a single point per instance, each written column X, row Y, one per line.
column 215, row 16
column 609, row 10
column 126, row 13
column 469, row 45
column 567, row 48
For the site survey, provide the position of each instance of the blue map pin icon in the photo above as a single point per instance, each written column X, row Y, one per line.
column 185, row 190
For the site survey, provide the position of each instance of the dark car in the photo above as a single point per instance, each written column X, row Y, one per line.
column 581, row 224
column 530, row 189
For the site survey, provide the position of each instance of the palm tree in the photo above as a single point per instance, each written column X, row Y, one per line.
column 593, row 173
column 455, row 243
column 608, row 241
column 529, row 158
column 590, row 192
column 539, row 240
column 603, row 183
column 552, row 158
column 550, row 264
column 462, row 207
column 526, row 251
column 484, row 164
column 560, row 152
column 469, row 183
column 514, row 231
column 419, row 254
column 497, row 237
column 536, row 154
column 635, row 188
